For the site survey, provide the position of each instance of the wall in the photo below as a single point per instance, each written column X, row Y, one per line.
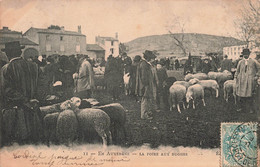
column 108, row 47
column 69, row 43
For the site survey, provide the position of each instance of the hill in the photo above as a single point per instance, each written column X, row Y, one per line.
column 196, row 44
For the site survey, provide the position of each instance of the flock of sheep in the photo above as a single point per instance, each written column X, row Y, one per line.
column 194, row 86
column 71, row 121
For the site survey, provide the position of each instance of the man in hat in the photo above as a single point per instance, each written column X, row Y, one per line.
column 245, row 77
column 22, row 121
column 144, row 84
column 84, row 78
column 226, row 64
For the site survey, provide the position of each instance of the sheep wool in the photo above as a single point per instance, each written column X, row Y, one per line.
column 177, row 95
column 67, row 127
column 90, row 118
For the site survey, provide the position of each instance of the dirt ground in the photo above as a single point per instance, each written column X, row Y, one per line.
column 199, row 127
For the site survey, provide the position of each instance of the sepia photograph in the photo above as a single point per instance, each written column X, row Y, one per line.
column 128, row 83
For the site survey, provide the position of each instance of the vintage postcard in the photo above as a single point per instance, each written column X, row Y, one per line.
column 127, row 83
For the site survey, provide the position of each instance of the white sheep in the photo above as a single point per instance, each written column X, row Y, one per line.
column 200, row 76
column 220, row 77
column 177, row 95
column 183, row 83
column 208, row 84
column 230, row 88
column 194, row 92
column 91, row 119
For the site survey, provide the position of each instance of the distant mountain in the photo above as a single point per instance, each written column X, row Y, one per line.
column 196, row 44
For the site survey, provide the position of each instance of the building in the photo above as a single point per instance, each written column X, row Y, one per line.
column 109, row 44
column 55, row 40
column 7, row 35
column 233, row 52
column 95, row 51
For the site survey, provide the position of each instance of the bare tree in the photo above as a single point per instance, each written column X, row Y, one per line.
column 176, row 28
column 248, row 22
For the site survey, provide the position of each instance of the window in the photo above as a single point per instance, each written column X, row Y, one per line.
column 112, row 50
column 62, row 49
column 48, row 47
column 77, row 48
column 61, row 38
column 112, row 43
column 48, row 38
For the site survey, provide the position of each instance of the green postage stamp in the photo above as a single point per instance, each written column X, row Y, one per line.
column 239, row 144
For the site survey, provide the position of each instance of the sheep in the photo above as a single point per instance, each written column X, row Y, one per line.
column 177, row 94
column 184, row 83
column 50, row 123
column 67, row 127
column 220, row 77
column 91, row 119
column 230, row 87
column 194, row 92
column 166, row 86
column 200, row 76
column 209, row 84
column 117, row 115
column 50, row 109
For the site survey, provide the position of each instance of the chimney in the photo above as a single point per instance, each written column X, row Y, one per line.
column 116, row 35
column 79, row 29
column 62, row 28
column 5, row 28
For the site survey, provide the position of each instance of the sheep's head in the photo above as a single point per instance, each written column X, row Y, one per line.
column 193, row 81
column 189, row 96
column 75, row 101
column 65, row 105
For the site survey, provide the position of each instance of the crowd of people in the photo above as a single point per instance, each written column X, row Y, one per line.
column 30, row 82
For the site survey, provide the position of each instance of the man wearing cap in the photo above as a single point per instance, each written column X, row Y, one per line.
column 22, row 121
column 144, row 84
column 245, row 77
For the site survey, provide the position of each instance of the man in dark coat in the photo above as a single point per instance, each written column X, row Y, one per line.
column 226, row 64
column 144, row 84
column 22, row 121
column 206, row 66
column 113, row 76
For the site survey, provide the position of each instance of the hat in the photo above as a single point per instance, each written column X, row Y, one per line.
column 246, row 52
column 149, row 54
column 137, row 58
column 30, row 53
column 12, row 46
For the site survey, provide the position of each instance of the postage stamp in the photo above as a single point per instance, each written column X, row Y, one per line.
column 239, row 144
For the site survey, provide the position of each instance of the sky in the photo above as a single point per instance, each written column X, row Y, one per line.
column 130, row 18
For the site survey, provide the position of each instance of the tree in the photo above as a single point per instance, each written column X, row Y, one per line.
column 248, row 22
column 177, row 25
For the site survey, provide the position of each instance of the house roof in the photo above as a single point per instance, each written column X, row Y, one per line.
column 108, row 38
column 94, row 47
column 23, row 41
column 7, row 31
column 55, row 31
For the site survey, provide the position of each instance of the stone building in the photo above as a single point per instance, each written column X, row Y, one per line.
column 109, row 44
column 56, row 40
